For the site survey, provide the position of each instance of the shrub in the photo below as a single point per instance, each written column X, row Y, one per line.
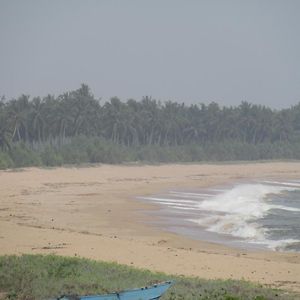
column 22, row 156
column 50, row 157
column 5, row 160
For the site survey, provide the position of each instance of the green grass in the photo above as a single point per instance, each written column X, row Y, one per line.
column 41, row 277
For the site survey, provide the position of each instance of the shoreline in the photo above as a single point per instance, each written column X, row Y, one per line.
column 93, row 212
column 179, row 211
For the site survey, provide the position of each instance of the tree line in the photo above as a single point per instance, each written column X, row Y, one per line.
column 57, row 121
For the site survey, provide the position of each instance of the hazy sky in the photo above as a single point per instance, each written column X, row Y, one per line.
column 193, row 51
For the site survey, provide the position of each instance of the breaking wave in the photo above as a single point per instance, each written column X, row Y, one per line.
column 241, row 211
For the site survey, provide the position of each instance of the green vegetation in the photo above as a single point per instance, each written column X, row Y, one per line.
column 76, row 128
column 40, row 277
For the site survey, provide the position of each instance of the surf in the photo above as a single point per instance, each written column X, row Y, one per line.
column 251, row 213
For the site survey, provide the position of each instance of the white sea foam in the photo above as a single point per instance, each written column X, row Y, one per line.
column 287, row 208
column 247, row 200
column 172, row 203
column 237, row 210
column 162, row 200
column 183, row 207
column 217, row 190
column 291, row 184
column 191, row 195
column 277, row 245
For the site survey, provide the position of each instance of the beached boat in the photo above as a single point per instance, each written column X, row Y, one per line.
column 145, row 293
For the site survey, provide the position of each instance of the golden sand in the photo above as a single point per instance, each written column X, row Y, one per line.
column 93, row 212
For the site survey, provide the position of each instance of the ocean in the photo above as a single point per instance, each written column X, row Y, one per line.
column 255, row 214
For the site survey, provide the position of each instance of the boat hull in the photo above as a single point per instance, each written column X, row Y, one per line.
column 146, row 293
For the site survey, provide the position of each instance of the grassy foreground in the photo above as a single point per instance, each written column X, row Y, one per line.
column 42, row 277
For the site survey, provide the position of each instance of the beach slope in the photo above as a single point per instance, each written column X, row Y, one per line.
column 93, row 212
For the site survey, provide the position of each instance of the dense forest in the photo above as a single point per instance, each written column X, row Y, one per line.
column 77, row 128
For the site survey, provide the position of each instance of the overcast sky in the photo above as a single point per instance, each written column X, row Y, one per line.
column 192, row 51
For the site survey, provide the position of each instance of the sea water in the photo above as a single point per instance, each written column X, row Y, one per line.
column 255, row 214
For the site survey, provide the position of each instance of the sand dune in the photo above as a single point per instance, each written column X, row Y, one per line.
column 93, row 212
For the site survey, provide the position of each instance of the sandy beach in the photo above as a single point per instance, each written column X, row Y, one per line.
column 94, row 212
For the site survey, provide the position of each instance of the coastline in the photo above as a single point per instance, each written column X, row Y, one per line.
column 93, row 212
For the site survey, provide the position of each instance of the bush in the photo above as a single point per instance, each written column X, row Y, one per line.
column 84, row 149
column 50, row 157
column 22, row 156
column 5, row 161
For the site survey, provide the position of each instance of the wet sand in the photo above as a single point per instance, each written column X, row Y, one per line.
column 93, row 212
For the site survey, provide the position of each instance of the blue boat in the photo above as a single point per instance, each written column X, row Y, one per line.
column 145, row 293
